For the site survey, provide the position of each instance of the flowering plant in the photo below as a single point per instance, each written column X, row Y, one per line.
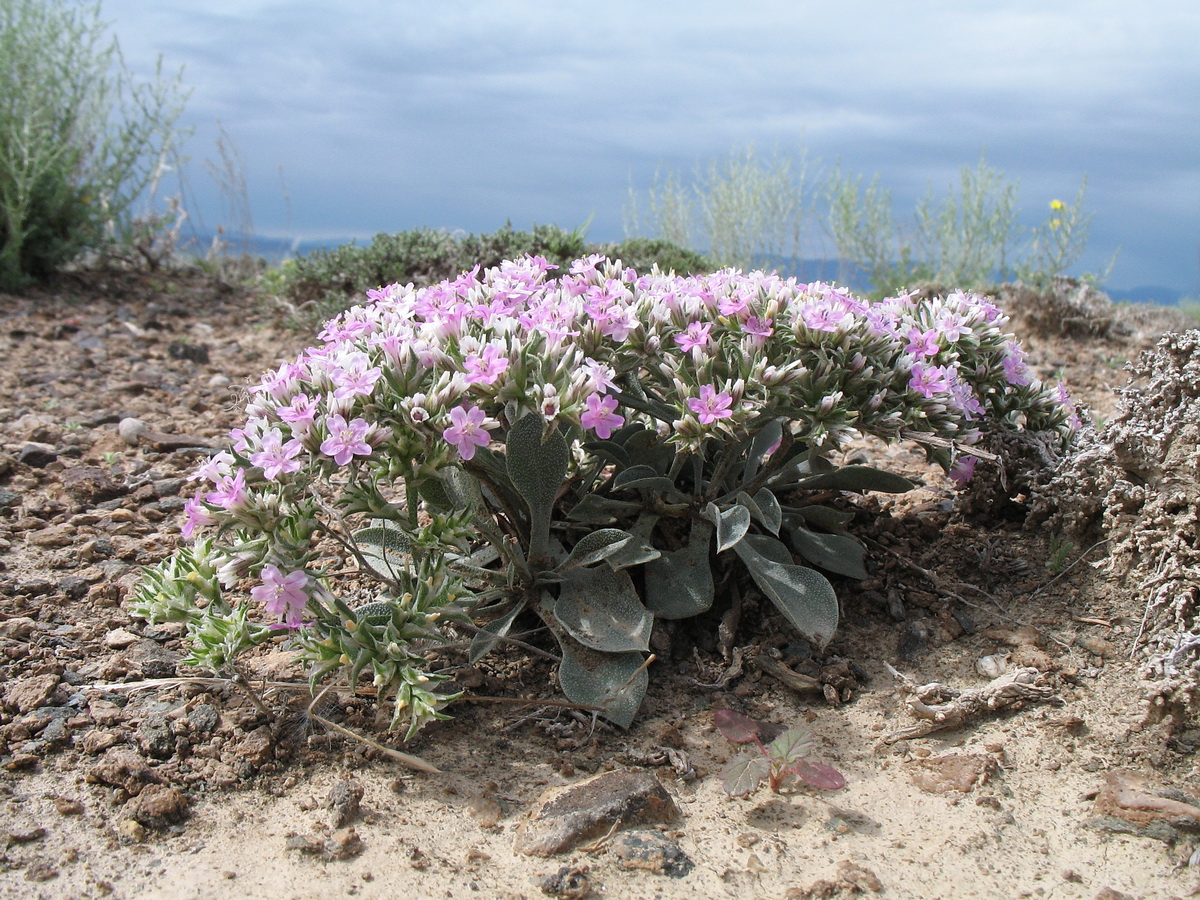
column 510, row 441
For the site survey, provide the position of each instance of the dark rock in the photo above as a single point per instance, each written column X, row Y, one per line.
column 9, row 500
column 35, row 587
column 914, row 640
column 651, row 851
column 158, row 806
column 37, row 455
column 154, row 660
column 565, row 817
column 204, row 718
column 168, row 487
column 155, row 738
column 197, row 353
column 344, row 801
column 90, row 484
column 74, row 587
column 569, row 881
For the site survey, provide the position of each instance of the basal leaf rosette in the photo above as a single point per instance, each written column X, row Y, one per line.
column 452, row 446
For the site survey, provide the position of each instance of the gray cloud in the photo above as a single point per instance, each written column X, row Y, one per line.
column 387, row 115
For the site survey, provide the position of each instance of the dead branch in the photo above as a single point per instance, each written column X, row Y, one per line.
column 939, row 707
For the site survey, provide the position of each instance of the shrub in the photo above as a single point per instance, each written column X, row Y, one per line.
column 508, row 444
column 643, row 254
column 968, row 238
column 80, row 139
column 327, row 280
column 744, row 209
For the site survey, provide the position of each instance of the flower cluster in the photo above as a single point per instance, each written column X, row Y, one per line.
column 415, row 382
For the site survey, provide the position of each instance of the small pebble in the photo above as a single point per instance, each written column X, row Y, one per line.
column 131, row 429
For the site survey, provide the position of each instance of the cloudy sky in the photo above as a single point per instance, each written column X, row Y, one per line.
column 359, row 116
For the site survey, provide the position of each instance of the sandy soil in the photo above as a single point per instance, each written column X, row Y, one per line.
column 124, row 775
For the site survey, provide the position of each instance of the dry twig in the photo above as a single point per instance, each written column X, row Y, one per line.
column 938, row 706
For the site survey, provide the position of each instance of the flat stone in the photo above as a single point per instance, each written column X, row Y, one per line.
column 28, row 694
column 89, row 484
column 54, row 536
column 651, row 851
column 565, row 817
column 1131, row 803
column 124, row 769
column 18, row 628
column 952, row 772
column 120, row 638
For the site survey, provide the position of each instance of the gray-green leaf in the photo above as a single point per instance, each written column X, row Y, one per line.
column 679, row 584
column 592, row 548
column 744, row 774
column 645, row 478
column 834, row 552
column 594, row 509
column 766, row 438
column 538, row 459
column 732, row 524
column 615, row 682
column 857, row 478
column 384, row 547
column 600, row 609
column 491, row 633
column 802, row 594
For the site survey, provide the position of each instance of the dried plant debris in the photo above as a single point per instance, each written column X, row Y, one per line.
column 1136, row 483
column 939, row 707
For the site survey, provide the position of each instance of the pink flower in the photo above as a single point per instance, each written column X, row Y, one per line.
column 710, row 405
column 695, row 336
column 922, row 343
column 300, row 413
column 466, row 431
column 231, row 491
column 929, row 380
column 485, row 367
column 963, row 470
column 346, row 439
column 1015, row 369
column 823, row 317
column 282, row 594
column 355, row 380
column 276, row 457
column 197, row 517
column 601, row 415
column 1074, row 422
column 757, row 331
column 599, row 376
column 216, row 467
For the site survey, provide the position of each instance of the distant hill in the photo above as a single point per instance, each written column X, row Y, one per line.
column 1163, row 296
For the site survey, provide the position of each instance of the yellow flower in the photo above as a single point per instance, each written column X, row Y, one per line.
column 1055, row 224
column 1057, row 205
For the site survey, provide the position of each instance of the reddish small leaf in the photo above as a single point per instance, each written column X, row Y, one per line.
column 738, row 728
column 820, row 775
